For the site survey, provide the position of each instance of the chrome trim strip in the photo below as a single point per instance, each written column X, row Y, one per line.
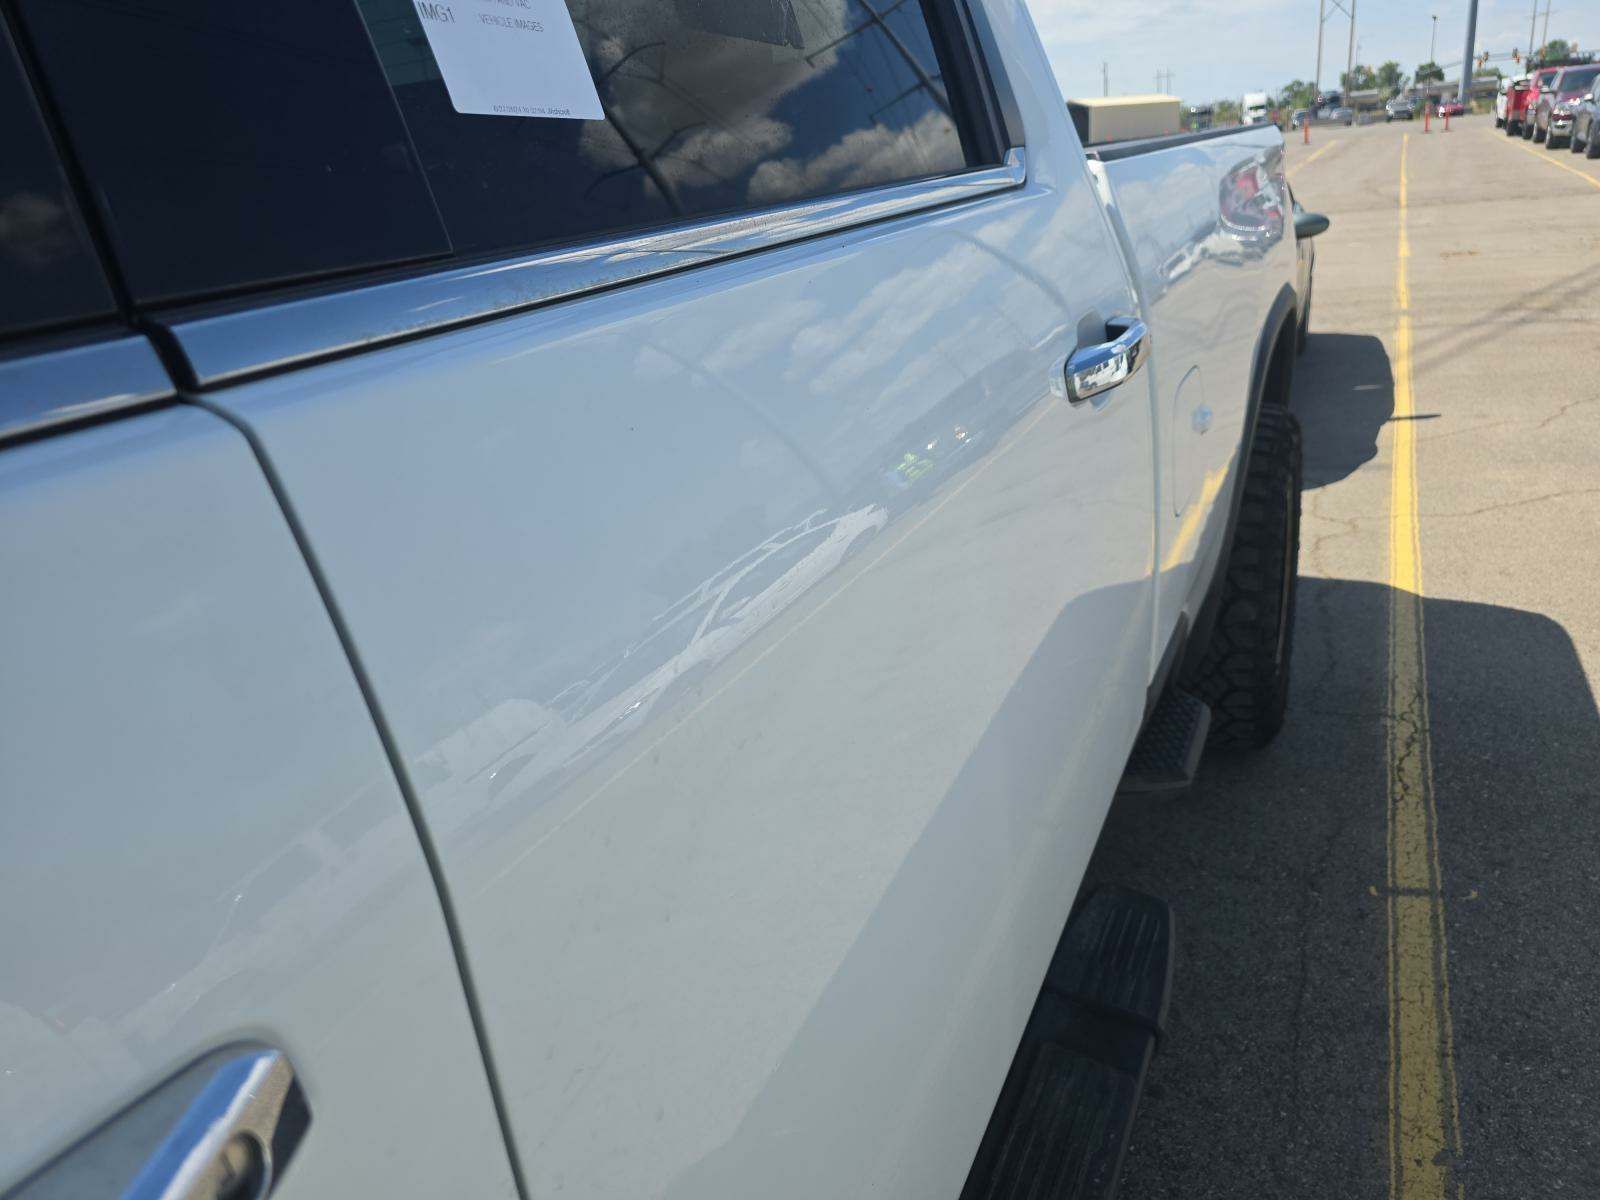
column 52, row 387
column 225, row 346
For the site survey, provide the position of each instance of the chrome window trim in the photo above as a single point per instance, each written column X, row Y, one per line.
column 52, row 387
column 225, row 346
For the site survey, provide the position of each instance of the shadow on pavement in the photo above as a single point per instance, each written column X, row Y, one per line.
column 1343, row 395
column 1273, row 1079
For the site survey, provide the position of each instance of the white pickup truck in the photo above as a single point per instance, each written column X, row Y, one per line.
column 580, row 579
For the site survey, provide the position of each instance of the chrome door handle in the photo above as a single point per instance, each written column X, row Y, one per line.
column 224, row 1128
column 1096, row 369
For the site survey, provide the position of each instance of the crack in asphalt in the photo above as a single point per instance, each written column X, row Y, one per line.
column 1488, row 508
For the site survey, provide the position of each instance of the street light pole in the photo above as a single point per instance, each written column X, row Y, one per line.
column 1350, row 59
column 1533, row 23
column 1316, row 80
column 1433, row 38
column 1466, row 55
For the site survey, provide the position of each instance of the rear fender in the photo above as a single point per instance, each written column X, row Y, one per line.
column 1271, row 373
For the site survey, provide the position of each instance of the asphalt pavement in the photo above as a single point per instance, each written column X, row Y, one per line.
column 1278, row 1074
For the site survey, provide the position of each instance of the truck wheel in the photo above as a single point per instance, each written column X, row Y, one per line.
column 1591, row 148
column 1244, row 673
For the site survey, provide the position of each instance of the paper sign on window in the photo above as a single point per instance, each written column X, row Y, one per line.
column 510, row 58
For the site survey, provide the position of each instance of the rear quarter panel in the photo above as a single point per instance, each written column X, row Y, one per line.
column 1209, row 232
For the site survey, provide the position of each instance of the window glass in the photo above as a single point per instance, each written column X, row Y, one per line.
column 231, row 144
column 711, row 106
column 1579, row 80
column 49, row 272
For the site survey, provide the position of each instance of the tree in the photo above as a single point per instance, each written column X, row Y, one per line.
column 1554, row 50
column 1360, row 80
column 1297, row 93
column 1225, row 112
column 1429, row 71
column 1391, row 79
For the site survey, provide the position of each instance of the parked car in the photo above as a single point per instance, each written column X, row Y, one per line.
column 1500, row 102
column 1452, row 108
column 1516, row 105
column 1558, row 104
column 1401, row 108
column 1337, row 115
column 1585, row 126
column 585, row 647
column 1539, row 85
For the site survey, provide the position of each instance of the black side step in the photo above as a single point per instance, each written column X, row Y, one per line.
column 1167, row 755
column 1060, row 1128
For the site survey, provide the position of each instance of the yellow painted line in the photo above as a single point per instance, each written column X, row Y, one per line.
column 1544, row 157
column 1311, row 158
column 1424, row 1109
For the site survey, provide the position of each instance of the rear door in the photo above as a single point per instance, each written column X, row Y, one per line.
column 760, row 632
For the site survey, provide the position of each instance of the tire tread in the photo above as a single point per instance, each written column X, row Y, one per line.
column 1240, row 675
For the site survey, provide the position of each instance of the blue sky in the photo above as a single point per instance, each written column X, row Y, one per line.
column 1222, row 48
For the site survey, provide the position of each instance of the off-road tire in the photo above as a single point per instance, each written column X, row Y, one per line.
column 1244, row 672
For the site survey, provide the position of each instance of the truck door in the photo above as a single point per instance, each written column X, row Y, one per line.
column 210, row 881
column 760, row 630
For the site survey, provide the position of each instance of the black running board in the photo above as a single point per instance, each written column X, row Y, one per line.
column 1166, row 757
column 1061, row 1126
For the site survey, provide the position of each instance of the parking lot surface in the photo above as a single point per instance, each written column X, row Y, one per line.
column 1388, row 971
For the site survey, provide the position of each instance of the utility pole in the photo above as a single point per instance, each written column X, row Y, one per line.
column 1316, row 79
column 1433, row 38
column 1544, row 38
column 1466, row 55
column 1350, row 59
column 1105, row 75
column 1533, row 23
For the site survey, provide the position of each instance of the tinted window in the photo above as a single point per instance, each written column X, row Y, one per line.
column 230, row 144
column 711, row 106
column 1579, row 80
column 49, row 272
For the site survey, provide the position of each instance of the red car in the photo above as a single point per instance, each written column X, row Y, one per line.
column 1516, row 101
column 1452, row 108
column 1538, row 84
